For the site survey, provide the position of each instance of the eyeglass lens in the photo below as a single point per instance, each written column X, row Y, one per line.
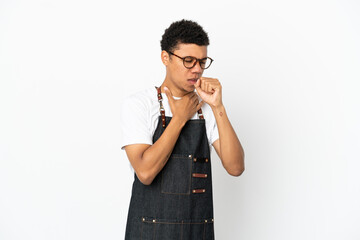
column 189, row 62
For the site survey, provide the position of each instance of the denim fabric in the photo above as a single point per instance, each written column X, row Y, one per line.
column 168, row 208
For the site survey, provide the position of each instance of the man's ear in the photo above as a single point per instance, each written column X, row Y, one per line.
column 165, row 58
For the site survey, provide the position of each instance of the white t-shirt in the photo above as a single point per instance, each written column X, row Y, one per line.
column 140, row 115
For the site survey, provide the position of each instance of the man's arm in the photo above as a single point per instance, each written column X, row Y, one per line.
column 228, row 146
column 148, row 160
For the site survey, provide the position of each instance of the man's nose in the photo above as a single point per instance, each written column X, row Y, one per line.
column 197, row 68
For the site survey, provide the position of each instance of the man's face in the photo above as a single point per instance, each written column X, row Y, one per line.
column 180, row 76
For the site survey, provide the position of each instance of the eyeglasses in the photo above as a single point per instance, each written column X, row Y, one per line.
column 190, row 62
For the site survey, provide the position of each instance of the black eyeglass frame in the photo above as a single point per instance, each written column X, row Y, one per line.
column 196, row 60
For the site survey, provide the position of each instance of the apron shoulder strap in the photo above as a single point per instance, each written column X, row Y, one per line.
column 162, row 109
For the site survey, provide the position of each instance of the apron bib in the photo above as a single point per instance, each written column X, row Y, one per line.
column 178, row 204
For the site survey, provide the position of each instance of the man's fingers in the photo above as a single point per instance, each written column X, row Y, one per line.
column 199, row 105
column 209, row 85
column 198, row 88
column 193, row 96
column 197, row 84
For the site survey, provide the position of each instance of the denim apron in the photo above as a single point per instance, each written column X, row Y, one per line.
column 178, row 204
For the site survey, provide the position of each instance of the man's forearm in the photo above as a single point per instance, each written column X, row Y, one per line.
column 156, row 156
column 231, row 151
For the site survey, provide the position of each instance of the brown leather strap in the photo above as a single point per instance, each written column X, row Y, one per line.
column 198, row 190
column 199, row 175
column 201, row 116
column 162, row 110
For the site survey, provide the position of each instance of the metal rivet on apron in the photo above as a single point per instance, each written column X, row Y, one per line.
column 190, row 156
column 205, row 220
column 206, row 160
column 212, row 220
column 154, row 220
column 143, row 219
column 194, row 159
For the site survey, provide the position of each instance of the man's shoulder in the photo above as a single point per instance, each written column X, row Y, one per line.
column 142, row 93
column 143, row 96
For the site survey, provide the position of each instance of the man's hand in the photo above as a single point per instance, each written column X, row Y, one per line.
column 209, row 89
column 184, row 108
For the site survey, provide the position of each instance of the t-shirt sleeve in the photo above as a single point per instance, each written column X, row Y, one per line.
column 134, row 122
column 214, row 133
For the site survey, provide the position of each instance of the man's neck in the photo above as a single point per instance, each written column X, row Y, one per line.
column 176, row 92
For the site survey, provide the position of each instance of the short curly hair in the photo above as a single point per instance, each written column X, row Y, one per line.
column 183, row 31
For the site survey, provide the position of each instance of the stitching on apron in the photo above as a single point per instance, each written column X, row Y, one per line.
column 163, row 221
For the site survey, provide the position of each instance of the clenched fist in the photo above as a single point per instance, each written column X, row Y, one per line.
column 209, row 89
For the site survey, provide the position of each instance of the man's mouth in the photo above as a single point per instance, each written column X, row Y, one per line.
column 192, row 80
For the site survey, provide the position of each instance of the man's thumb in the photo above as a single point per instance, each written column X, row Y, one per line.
column 168, row 93
column 198, row 88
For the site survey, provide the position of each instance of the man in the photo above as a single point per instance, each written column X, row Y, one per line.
column 169, row 149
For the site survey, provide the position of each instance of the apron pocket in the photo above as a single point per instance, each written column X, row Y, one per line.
column 176, row 175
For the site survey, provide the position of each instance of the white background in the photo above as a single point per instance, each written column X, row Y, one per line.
column 290, row 76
